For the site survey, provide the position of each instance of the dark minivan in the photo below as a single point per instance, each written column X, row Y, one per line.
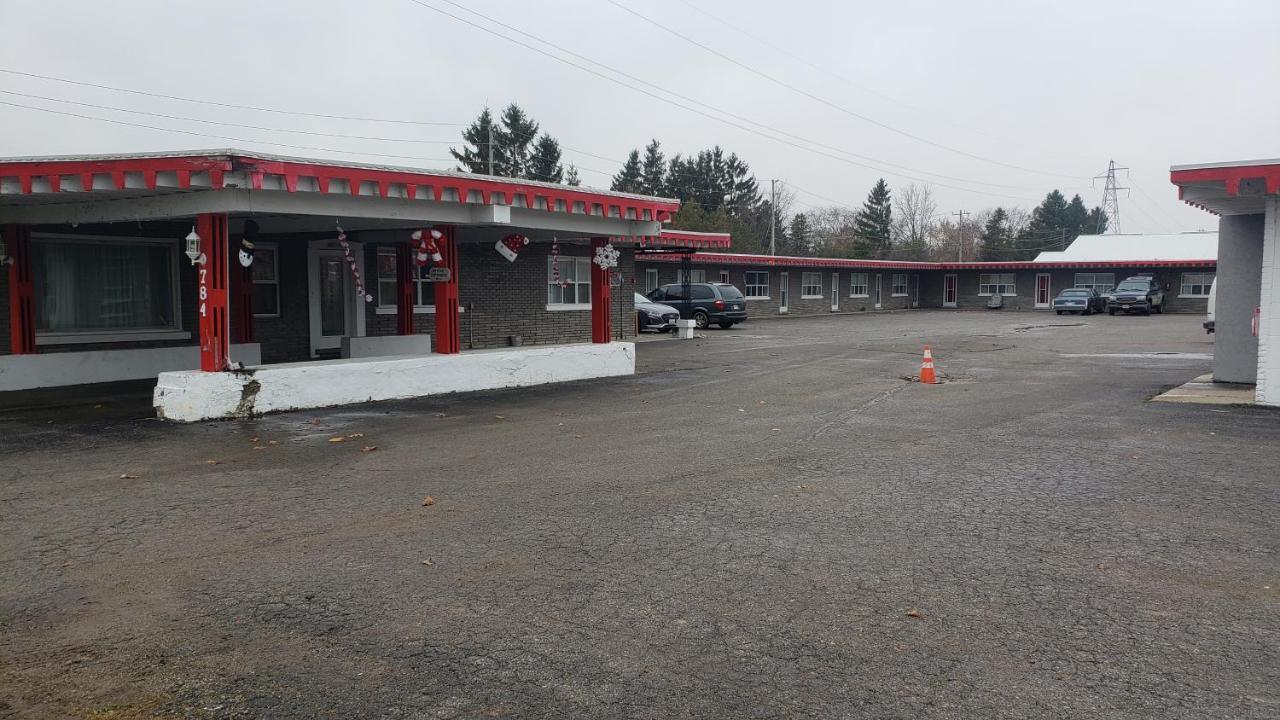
column 718, row 303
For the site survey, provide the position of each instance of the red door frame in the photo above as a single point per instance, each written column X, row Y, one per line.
column 448, row 333
column 22, row 303
column 211, row 294
column 950, row 285
column 405, row 267
column 1047, row 301
column 601, row 297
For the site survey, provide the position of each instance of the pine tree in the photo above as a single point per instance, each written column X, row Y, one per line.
column 1047, row 229
column 544, row 162
column 995, row 242
column 874, row 224
column 571, row 176
column 475, row 157
column 1097, row 222
column 653, row 171
column 513, row 135
column 798, row 241
column 628, row 178
column 1077, row 217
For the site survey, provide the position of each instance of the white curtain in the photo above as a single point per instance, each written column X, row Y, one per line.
column 103, row 285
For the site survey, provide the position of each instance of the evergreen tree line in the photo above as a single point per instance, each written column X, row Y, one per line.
column 718, row 193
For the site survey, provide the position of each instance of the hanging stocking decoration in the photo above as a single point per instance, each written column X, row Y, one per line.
column 509, row 247
column 555, row 264
column 351, row 263
column 426, row 247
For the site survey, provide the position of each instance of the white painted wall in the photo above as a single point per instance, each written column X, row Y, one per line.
column 23, row 372
column 192, row 396
column 383, row 345
column 1268, row 390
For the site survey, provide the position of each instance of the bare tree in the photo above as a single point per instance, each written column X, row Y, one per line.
column 914, row 219
column 831, row 230
column 952, row 240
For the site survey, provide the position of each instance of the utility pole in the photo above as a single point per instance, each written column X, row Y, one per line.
column 960, row 231
column 491, row 148
column 773, row 217
column 1111, row 199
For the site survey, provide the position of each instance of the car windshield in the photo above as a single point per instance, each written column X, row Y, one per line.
column 641, row 299
column 1132, row 287
column 1075, row 293
column 730, row 292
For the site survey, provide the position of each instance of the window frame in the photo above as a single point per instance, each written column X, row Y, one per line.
column 1013, row 285
column 275, row 266
column 893, row 288
column 806, row 275
column 1182, row 285
column 651, row 282
column 696, row 275
column 724, row 277
column 865, row 285
column 1094, row 284
column 748, row 286
column 580, row 263
column 419, row 308
column 87, row 336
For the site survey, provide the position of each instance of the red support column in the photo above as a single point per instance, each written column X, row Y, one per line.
column 211, row 295
column 405, row 268
column 601, row 298
column 241, row 299
column 22, row 303
column 448, row 334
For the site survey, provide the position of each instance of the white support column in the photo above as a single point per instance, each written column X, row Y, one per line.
column 1238, row 276
column 1268, row 392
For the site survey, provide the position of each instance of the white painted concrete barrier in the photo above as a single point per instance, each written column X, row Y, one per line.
column 54, row 369
column 195, row 396
column 684, row 329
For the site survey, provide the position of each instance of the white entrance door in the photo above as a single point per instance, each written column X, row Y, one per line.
column 336, row 312
column 879, row 304
column 782, row 292
column 835, row 292
column 1044, row 297
column 949, row 283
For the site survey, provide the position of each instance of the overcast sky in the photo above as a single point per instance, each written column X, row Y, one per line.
column 1054, row 88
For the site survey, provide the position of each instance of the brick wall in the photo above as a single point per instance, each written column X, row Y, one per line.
column 1025, row 286
column 797, row 304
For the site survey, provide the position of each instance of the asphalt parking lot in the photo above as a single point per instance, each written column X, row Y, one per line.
column 765, row 522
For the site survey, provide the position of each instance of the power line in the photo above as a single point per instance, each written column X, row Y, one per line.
column 225, row 104
column 669, row 101
column 828, row 103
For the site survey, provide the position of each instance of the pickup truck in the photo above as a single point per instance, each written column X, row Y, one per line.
column 1141, row 294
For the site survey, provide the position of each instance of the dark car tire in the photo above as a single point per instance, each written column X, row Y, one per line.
column 1086, row 311
column 1112, row 313
column 1059, row 312
column 1158, row 309
column 725, row 324
column 701, row 320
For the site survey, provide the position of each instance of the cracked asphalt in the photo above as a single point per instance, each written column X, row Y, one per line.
column 764, row 523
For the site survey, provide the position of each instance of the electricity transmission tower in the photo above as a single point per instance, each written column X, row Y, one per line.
column 1111, row 200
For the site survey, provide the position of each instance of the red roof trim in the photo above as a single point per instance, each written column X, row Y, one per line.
column 855, row 264
column 609, row 205
column 1230, row 176
column 687, row 239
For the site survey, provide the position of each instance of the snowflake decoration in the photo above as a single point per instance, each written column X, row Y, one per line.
column 607, row 256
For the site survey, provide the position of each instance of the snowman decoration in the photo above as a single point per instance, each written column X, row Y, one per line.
column 250, row 234
column 509, row 247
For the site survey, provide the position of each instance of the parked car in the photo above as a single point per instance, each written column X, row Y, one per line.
column 1083, row 300
column 1141, row 293
column 654, row 316
column 718, row 303
column 1211, row 315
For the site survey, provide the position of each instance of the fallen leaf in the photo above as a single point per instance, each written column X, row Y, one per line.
column 577, row 435
column 428, row 501
column 499, row 417
column 212, row 462
column 253, row 439
column 760, row 402
column 427, row 562
column 356, row 435
column 914, row 613
column 1101, row 566
column 259, row 447
column 128, row 476
column 368, row 448
column 775, row 429
column 273, row 442
column 98, row 406
column 337, row 439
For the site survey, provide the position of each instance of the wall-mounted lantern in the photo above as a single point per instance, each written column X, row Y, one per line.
column 193, row 248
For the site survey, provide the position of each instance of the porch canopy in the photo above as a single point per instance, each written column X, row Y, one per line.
column 218, row 191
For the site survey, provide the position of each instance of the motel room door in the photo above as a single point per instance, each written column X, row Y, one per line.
column 335, row 310
column 949, row 283
column 784, row 291
column 835, row 292
column 1044, row 296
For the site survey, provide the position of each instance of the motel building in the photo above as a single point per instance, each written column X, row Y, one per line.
column 249, row 283
column 774, row 286
column 1246, row 197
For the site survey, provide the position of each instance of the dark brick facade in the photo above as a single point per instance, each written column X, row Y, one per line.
column 797, row 304
column 1025, row 285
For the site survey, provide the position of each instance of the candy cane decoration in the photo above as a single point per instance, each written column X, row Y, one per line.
column 555, row 263
column 426, row 247
column 351, row 262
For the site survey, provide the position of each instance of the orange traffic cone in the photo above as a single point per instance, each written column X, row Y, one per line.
column 927, row 374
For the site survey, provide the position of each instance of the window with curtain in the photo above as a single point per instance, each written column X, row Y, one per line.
column 574, row 288
column 857, row 284
column 424, row 294
column 104, row 284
